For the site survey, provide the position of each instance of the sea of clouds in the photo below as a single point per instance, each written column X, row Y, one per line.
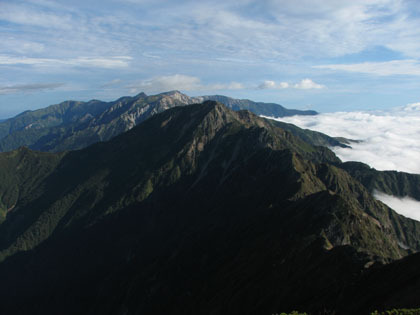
column 406, row 206
column 389, row 140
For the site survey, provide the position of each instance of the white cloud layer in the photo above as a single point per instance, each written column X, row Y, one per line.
column 389, row 140
column 305, row 84
column 179, row 82
column 405, row 206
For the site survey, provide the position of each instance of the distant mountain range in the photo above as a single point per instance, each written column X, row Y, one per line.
column 259, row 108
column 74, row 125
column 199, row 210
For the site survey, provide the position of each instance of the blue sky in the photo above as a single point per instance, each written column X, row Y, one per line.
column 325, row 55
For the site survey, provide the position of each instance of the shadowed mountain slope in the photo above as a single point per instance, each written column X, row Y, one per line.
column 390, row 182
column 386, row 287
column 198, row 210
column 21, row 172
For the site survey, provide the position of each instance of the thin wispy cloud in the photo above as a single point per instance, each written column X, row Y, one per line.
column 179, row 82
column 394, row 67
column 389, row 140
column 114, row 82
column 277, row 29
column 98, row 62
column 32, row 16
column 28, row 88
column 405, row 206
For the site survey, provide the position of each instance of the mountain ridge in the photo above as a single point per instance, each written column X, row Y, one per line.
column 198, row 208
column 74, row 125
column 259, row 108
column 399, row 184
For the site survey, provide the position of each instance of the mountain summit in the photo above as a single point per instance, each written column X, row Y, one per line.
column 199, row 209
